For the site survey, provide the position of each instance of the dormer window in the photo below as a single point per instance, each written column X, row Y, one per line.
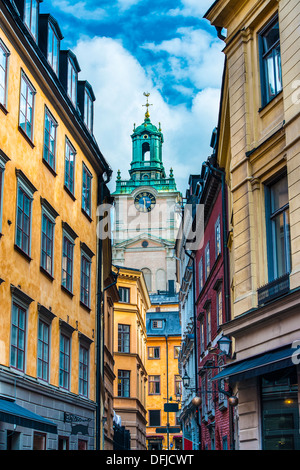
column 49, row 39
column 72, row 81
column 86, row 98
column 88, row 110
column 31, row 14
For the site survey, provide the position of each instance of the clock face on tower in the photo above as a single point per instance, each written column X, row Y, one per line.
column 144, row 201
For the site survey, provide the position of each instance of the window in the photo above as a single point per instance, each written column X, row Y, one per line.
column 154, row 385
column 201, row 336
column 24, row 209
column 31, row 11
column 124, row 293
column 208, row 323
column 69, row 166
column 124, row 383
column 278, row 228
column 72, row 81
column 88, row 110
column 53, row 48
column 86, row 191
column 4, row 54
column 47, row 244
column 178, row 386
column 18, row 337
column 200, row 274
column 225, row 442
column 176, row 351
column 157, row 324
column 26, row 106
column 154, row 418
column 3, row 160
column 83, row 370
column 153, row 352
column 39, row 441
column 124, row 338
column 63, row 443
column 85, row 289
column 67, row 263
column 219, row 306
column 271, row 79
column 43, row 351
column 50, row 139
column 64, row 361
column 207, row 261
column 218, row 237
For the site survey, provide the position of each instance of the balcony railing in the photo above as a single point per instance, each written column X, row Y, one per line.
column 274, row 289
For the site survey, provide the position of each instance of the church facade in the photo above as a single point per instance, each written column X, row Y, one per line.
column 147, row 211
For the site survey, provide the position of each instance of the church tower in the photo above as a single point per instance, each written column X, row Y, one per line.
column 146, row 210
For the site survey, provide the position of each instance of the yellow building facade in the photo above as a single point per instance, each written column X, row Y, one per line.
column 130, row 338
column 164, row 381
column 259, row 146
column 50, row 166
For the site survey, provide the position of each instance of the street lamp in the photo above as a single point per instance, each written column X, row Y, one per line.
column 224, row 344
column 186, row 380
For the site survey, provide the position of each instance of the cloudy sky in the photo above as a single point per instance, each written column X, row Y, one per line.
column 164, row 47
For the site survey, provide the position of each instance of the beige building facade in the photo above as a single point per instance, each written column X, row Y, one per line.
column 259, row 146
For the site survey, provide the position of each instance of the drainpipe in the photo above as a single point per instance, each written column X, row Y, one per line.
column 221, row 178
column 195, row 339
column 167, row 362
column 101, row 183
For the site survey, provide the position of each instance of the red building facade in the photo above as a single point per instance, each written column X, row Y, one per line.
column 212, row 305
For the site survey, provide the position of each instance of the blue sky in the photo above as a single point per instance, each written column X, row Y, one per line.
column 165, row 47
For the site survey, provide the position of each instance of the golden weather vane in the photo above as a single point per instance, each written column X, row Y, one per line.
column 147, row 115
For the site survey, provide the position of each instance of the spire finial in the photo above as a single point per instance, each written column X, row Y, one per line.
column 147, row 115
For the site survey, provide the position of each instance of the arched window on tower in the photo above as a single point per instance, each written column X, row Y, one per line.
column 161, row 280
column 147, row 276
column 146, row 152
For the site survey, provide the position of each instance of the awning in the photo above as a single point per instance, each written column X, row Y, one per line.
column 258, row 365
column 12, row 413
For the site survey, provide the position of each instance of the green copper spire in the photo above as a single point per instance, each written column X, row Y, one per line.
column 146, row 165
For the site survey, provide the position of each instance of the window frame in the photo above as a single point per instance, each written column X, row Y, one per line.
column 84, row 370
column 156, row 418
column 219, row 300
column 86, row 200
column 50, row 53
column 88, row 110
column 64, row 360
column 19, row 350
column 127, row 296
column 45, row 343
column 154, row 381
column 123, row 382
column 67, row 240
column 29, row 24
column 218, row 245
column 45, row 236
column 155, row 324
column 29, row 88
column 207, row 260
column 265, row 98
column 52, row 125
column 152, row 358
column 123, row 335
column 24, row 186
column 85, row 287
column 4, row 86
column 200, row 274
column 69, row 180
column 271, row 216
column 72, row 77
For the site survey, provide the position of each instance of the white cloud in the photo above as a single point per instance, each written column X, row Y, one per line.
column 194, row 55
column 192, row 8
column 119, row 81
column 126, row 4
column 80, row 10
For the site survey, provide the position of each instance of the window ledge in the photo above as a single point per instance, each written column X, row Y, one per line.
column 48, row 275
column 3, row 109
column 69, row 192
column 86, row 307
column 25, row 255
column 28, row 139
column 70, row 294
column 86, row 215
column 49, row 167
column 268, row 106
